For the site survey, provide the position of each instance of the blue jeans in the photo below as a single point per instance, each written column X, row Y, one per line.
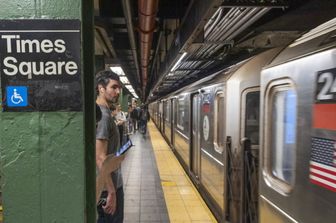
column 118, row 216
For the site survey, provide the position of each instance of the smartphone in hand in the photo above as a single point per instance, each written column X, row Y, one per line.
column 124, row 148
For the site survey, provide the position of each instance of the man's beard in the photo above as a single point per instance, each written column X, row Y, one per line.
column 113, row 100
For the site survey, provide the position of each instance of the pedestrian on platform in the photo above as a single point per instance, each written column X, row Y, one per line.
column 111, row 207
column 144, row 118
column 129, row 121
column 134, row 117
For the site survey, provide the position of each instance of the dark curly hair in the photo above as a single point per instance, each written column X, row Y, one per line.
column 103, row 78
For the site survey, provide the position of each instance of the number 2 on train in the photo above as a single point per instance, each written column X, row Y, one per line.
column 326, row 86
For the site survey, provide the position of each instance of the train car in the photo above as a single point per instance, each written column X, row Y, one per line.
column 206, row 125
column 228, row 119
column 298, row 177
column 276, row 111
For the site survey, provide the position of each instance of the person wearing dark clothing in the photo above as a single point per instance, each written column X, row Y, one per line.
column 134, row 117
column 129, row 123
column 111, row 209
column 144, row 118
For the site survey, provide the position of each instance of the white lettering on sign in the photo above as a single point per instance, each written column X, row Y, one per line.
column 29, row 68
column 33, row 46
column 14, row 44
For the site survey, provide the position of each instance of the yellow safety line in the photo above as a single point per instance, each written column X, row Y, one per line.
column 183, row 201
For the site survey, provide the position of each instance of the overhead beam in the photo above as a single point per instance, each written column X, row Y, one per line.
column 198, row 14
column 254, row 4
column 128, row 15
column 102, row 37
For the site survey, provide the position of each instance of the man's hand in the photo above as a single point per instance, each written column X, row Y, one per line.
column 111, row 203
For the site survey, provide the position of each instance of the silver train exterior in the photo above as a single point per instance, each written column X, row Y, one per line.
column 259, row 139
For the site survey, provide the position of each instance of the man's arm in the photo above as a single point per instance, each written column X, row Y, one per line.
column 101, row 150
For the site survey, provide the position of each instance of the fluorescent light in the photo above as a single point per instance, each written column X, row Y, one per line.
column 118, row 70
column 128, row 86
column 178, row 62
column 130, row 89
column 124, row 80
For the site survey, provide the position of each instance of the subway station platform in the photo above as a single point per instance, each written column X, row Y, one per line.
column 156, row 187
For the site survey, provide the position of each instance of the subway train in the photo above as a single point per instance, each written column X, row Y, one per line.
column 258, row 139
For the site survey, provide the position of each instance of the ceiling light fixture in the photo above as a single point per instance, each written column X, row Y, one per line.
column 178, row 62
column 118, row 70
column 124, row 80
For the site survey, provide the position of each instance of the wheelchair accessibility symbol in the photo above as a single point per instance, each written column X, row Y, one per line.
column 17, row 96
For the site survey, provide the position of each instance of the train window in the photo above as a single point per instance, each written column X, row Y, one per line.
column 180, row 113
column 281, row 149
column 160, row 109
column 167, row 111
column 283, row 135
column 252, row 117
column 218, row 123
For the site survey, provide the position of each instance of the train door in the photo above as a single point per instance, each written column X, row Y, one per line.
column 164, row 116
column 195, row 137
column 160, row 115
column 173, row 114
column 279, row 151
column 167, row 120
column 172, row 121
column 249, row 132
column 157, row 114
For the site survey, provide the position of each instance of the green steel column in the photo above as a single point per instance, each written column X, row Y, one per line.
column 45, row 156
column 99, row 63
column 123, row 100
column 126, row 101
column 89, row 109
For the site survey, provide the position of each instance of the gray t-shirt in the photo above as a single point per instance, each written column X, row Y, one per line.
column 108, row 130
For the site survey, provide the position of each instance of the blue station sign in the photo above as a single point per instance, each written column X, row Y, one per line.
column 17, row 96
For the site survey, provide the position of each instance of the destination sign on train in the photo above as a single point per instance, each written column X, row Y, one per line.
column 43, row 57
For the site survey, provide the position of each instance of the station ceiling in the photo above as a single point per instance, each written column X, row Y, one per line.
column 163, row 45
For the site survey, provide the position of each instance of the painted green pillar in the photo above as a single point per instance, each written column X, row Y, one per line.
column 99, row 63
column 123, row 100
column 47, row 158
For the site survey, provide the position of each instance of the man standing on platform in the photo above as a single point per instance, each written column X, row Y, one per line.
column 111, row 207
column 144, row 118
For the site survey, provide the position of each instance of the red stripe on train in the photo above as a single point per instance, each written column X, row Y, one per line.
column 323, row 177
column 323, row 185
column 324, row 116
